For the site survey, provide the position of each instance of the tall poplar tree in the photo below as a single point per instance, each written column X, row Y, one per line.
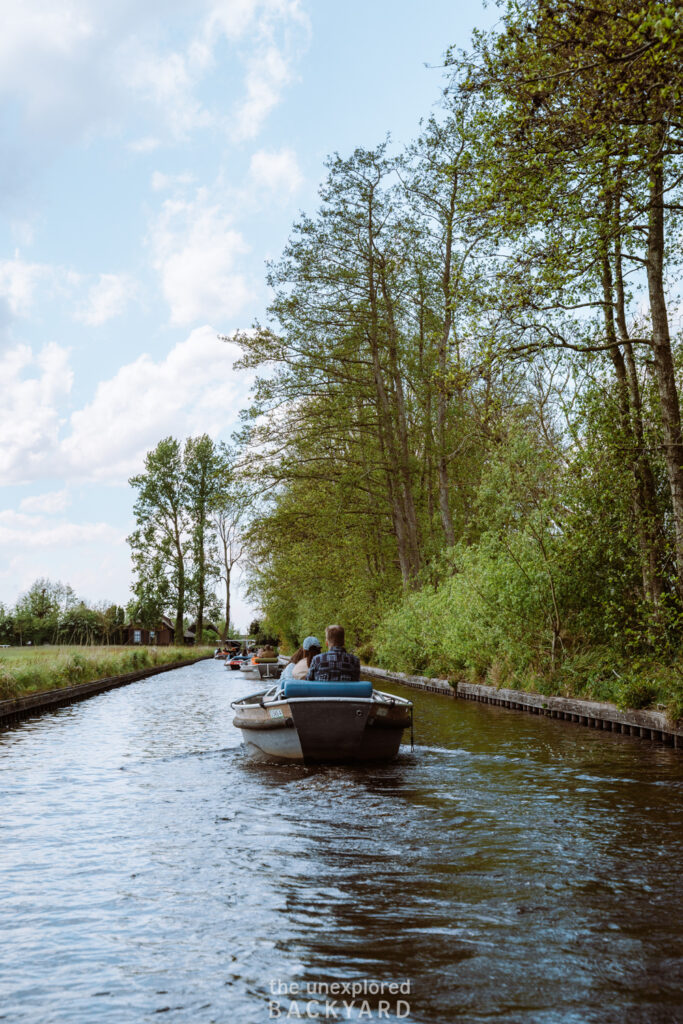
column 161, row 542
column 203, row 482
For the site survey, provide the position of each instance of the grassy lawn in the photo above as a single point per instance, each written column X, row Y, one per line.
column 33, row 669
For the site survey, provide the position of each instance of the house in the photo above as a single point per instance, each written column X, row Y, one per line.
column 160, row 636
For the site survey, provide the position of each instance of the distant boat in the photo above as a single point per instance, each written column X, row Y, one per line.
column 236, row 661
column 260, row 667
column 318, row 721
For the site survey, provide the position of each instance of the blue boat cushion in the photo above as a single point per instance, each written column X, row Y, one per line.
column 312, row 688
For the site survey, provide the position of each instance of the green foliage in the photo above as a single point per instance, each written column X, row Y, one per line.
column 466, row 424
column 637, row 693
column 188, row 512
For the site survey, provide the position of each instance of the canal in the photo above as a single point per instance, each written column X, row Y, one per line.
column 513, row 868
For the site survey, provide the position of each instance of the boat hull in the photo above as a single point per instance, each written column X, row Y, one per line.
column 327, row 729
column 249, row 671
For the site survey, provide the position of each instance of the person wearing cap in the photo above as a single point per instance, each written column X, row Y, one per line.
column 336, row 665
column 312, row 647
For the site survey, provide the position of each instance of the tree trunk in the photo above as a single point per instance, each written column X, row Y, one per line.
column 441, row 408
column 663, row 359
column 642, row 500
column 402, row 432
column 201, row 574
column 179, row 632
column 227, row 603
column 653, row 528
column 386, row 433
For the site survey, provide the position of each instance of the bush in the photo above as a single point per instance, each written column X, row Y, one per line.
column 366, row 653
column 635, row 693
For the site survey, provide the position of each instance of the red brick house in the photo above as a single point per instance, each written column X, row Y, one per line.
column 160, row 636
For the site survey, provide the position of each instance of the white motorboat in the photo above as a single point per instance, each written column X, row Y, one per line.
column 319, row 721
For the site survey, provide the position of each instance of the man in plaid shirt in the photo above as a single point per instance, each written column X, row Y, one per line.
column 335, row 665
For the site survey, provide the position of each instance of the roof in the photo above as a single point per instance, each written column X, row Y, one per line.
column 164, row 621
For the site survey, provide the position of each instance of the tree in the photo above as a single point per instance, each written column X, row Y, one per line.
column 229, row 508
column 468, row 361
column 339, row 303
column 6, row 625
column 162, row 542
column 438, row 177
column 582, row 117
column 204, row 483
column 39, row 612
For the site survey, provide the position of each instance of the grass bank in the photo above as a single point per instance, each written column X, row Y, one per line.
column 641, row 684
column 25, row 670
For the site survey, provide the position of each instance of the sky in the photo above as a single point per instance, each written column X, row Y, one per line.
column 155, row 157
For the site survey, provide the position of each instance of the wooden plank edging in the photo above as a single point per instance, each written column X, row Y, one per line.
column 16, row 708
column 650, row 725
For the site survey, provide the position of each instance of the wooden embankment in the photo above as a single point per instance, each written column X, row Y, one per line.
column 37, row 703
column 647, row 725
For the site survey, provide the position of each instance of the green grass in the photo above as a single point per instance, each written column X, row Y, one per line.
column 600, row 674
column 25, row 670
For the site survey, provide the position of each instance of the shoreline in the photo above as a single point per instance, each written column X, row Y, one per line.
column 654, row 726
column 15, row 709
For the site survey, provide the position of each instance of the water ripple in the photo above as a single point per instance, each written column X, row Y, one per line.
column 510, row 867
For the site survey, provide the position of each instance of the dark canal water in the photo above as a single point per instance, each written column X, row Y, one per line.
column 512, row 869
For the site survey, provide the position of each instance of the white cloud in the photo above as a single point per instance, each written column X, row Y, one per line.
column 24, row 284
column 107, row 298
column 162, row 182
column 18, row 530
column 168, row 82
column 19, row 281
column 32, row 387
column 87, row 65
column 194, row 389
column 39, row 42
column 276, row 171
column 92, row 556
column 267, row 75
column 196, row 251
column 145, row 145
column 45, row 504
column 281, row 31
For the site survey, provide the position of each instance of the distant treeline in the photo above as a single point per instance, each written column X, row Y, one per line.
column 467, row 421
column 51, row 613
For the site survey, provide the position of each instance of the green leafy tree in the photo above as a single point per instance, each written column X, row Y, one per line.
column 204, row 480
column 161, row 543
column 582, row 143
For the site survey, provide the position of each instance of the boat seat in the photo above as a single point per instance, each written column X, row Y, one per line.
column 315, row 688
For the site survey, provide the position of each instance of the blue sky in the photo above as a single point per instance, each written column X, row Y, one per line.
column 156, row 156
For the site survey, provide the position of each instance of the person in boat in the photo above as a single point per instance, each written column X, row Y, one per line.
column 298, row 656
column 267, row 652
column 311, row 648
column 336, row 664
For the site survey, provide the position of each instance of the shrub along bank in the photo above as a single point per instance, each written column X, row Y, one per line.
column 33, row 670
column 482, row 625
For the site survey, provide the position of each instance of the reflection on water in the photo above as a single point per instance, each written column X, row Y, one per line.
column 512, row 868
